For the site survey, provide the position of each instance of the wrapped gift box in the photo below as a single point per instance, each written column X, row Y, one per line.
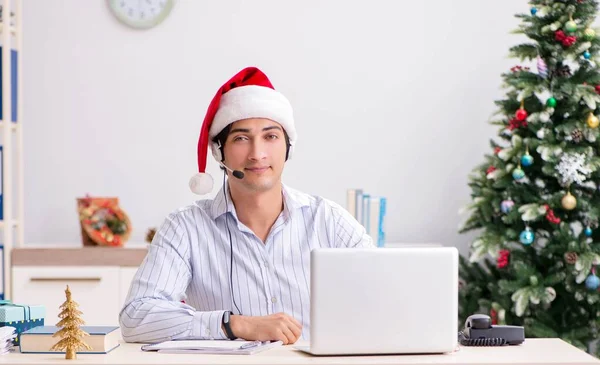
column 21, row 317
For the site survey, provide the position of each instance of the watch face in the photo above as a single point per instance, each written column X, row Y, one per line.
column 141, row 14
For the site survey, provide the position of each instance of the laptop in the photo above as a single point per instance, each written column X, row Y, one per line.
column 383, row 301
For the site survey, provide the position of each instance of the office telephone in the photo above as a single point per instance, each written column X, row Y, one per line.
column 479, row 331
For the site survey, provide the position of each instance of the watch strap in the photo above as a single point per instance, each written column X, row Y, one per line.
column 227, row 325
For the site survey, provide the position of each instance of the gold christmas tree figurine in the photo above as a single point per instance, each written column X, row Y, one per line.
column 70, row 333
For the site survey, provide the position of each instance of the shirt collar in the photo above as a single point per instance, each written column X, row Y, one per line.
column 292, row 201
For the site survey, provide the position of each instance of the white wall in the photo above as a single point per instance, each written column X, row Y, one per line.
column 390, row 96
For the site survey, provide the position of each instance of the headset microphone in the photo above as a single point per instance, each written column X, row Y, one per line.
column 236, row 173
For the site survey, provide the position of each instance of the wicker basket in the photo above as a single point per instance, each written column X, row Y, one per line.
column 89, row 235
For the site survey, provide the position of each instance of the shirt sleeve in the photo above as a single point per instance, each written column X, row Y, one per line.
column 153, row 310
column 348, row 231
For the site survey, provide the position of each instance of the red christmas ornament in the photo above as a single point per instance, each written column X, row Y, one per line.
column 559, row 35
column 502, row 260
column 497, row 150
column 550, row 215
column 597, row 88
column 494, row 316
column 521, row 114
column 569, row 41
column 514, row 124
column 490, row 170
column 519, row 68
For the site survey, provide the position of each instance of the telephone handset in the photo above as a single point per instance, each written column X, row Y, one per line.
column 479, row 331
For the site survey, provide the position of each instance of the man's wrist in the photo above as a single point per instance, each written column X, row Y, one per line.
column 236, row 323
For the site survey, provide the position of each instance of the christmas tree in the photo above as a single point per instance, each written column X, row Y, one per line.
column 70, row 333
column 535, row 199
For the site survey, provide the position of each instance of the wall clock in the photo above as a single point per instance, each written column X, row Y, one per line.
column 141, row 14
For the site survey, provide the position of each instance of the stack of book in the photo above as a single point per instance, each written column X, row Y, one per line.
column 369, row 210
column 7, row 335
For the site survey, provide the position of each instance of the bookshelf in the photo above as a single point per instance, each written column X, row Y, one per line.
column 11, row 130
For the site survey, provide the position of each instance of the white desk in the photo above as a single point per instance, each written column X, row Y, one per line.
column 533, row 351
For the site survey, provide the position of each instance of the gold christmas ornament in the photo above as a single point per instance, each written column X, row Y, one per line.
column 70, row 333
column 592, row 121
column 569, row 202
column 589, row 34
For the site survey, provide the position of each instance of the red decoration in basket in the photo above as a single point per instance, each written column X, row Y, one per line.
column 103, row 222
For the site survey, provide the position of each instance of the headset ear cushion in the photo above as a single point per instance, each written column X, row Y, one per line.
column 216, row 151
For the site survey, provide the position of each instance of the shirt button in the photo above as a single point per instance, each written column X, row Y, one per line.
column 274, row 300
column 266, row 264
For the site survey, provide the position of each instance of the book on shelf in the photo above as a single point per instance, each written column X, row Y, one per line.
column 369, row 210
column 1, row 183
column 2, row 271
column 13, row 86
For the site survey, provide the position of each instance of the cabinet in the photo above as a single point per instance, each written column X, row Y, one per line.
column 100, row 291
column 99, row 279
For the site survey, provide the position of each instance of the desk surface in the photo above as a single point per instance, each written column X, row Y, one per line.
column 532, row 351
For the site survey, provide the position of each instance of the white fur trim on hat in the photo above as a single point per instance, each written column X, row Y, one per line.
column 252, row 101
column 201, row 183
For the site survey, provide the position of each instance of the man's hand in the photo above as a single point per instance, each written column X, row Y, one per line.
column 274, row 327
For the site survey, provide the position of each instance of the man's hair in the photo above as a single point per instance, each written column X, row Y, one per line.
column 221, row 138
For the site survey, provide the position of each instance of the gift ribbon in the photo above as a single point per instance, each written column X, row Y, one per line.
column 26, row 308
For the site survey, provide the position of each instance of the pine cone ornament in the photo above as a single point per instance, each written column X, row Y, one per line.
column 150, row 235
column 571, row 258
column 562, row 71
column 577, row 135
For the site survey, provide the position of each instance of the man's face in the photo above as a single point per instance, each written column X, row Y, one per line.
column 256, row 147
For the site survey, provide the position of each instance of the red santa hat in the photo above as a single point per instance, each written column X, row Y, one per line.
column 248, row 94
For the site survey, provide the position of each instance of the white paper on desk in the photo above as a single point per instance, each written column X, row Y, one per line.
column 212, row 346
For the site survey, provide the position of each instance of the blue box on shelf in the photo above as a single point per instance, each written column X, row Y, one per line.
column 21, row 317
column 13, row 85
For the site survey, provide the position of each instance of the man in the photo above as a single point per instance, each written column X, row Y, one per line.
column 237, row 266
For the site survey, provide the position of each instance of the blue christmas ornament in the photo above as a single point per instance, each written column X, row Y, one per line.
column 586, row 55
column 533, row 11
column 592, row 282
column 526, row 160
column 506, row 206
column 518, row 173
column 588, row 231
column 526, row 237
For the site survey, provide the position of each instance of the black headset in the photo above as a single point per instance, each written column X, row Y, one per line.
column 287, row 151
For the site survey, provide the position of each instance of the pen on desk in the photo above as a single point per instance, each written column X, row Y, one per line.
column 251, row 344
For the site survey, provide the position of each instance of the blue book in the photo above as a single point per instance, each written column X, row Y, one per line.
column 13, row 85
column 381, row 228
column 1, row 182
column 1, row 271
column 102, row 339
column 366, row 209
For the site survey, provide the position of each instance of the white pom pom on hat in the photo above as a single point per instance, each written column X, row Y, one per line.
column 248, row 94
column 201, row 183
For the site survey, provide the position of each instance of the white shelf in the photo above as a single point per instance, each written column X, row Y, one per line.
column 13, row 29
column 11, row 229
column 12, row 222
column 13, row 125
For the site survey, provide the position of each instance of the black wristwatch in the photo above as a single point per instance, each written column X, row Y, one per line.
column 227, row 325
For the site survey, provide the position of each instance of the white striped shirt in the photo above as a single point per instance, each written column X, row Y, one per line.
column 189, row 259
